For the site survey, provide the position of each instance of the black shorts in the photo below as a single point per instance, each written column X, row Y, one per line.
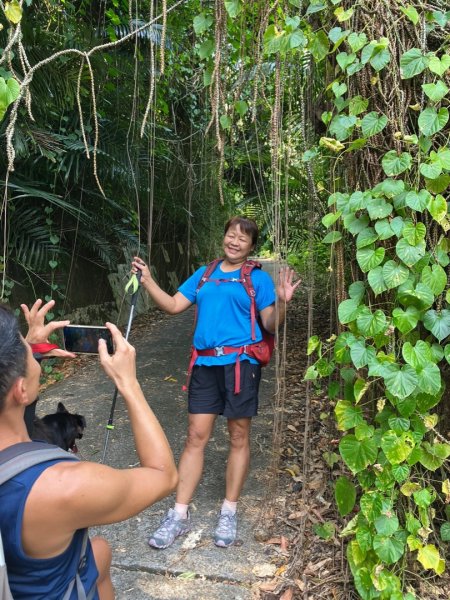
column 211, row 391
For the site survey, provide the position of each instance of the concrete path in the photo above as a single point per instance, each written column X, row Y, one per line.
column 193, row 568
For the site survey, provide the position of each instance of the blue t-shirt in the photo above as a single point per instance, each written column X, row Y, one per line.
column 38, row 578
column 223, row 311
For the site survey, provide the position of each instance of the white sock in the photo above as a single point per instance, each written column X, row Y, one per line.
column 181, row 509
column 229, row 506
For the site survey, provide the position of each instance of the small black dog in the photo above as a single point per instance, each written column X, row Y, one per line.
column 61, row 428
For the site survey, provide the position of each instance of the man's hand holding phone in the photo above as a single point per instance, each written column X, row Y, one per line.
column 121, row 366
column 83, row 339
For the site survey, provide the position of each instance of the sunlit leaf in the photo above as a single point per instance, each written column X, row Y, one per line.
column 400, row 381
column 376, row 280
column 388, row 548
column 412, row 63
column 394, row 274
column 394, row 164
column 435, row 91
column 438, row 323
column 432, row 120
column 369, row 257
column 357, row 454
column 429, row 558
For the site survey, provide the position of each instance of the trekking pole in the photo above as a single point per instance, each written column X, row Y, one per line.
column 110, row 425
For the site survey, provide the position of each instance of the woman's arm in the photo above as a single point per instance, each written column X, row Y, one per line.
column 170, row 304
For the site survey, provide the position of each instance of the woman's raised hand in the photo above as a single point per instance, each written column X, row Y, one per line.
column 286, row 285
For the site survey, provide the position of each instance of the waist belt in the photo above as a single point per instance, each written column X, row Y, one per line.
column 219, row 351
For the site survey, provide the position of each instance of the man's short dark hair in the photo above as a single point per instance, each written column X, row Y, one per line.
column 13, row 353
column 248, row 226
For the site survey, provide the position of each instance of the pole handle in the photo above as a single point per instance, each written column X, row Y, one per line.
column 135, row 294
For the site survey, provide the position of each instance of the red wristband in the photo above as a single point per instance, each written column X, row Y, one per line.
column 43, row 348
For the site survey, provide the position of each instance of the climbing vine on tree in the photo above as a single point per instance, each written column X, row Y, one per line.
column 387, row 143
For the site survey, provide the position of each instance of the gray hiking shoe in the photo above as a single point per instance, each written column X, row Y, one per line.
column 225, row 534
column 172, row 526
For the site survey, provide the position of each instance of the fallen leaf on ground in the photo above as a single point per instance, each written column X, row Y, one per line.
column 264, row 570
column 287, row 594
column 269, row 586
column 192, row 539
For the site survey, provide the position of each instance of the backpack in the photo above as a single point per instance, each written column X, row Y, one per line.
column 14, row 460
column 262, row 351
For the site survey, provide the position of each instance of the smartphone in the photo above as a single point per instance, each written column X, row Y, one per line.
column 83, row 339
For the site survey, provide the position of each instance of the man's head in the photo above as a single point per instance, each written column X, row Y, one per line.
column 16, row 359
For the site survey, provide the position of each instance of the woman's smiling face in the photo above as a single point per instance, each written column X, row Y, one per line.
column 237, row 245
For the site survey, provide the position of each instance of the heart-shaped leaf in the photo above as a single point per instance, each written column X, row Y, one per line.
column 373, row 123
column 438, row 323
column 394, row 274
column 414, row 234
column 332, row 237
column 345, row 495
column 432, row 120
column 367, row 237
column 430, row 170
column 439, row 65
column 400, row 381
column 394, row 164
column 348, row 310
column 357, row 454
column 361, row 354
column 435, row 278
column 429, row 379
column 370, row 324
column 356, row 224
column 384, row 229
column 357, row 290
column 410, row 254
column 388, row 549
column 368, row 258
column 429, row 558
column 437, row 207
column 417, row 356
column 435, row 91
column 376, row 280
column 420, row 296
column 357, row 41
column 412, row 63
column 347, row 415
column 418, row 200
column 378, row 208
column 405, row 320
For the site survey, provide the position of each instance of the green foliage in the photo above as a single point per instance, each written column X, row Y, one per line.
column 396, row 318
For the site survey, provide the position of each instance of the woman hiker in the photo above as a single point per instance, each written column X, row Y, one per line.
column 225, row 379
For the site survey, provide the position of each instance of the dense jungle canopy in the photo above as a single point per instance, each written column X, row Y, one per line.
column 130, row 126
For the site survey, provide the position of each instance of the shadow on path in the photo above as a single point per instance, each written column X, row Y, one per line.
column 193, row 568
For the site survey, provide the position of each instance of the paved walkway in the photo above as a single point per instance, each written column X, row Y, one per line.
column 193, row 568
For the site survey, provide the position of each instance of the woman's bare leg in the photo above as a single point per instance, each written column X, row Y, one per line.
column 190, row 468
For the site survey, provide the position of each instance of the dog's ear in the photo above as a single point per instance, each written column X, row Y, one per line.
column 61, row 408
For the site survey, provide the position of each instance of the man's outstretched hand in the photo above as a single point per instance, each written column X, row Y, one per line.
column 39, row 331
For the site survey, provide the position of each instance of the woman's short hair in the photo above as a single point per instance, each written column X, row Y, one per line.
column 13, row 353
column 248, row 226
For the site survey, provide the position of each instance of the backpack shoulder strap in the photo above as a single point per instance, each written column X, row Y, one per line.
column 246, row 272
column 20, row 457
column 208, row 272
column 76, row 581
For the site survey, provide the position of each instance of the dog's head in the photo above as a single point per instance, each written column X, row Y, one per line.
column 64, row 428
